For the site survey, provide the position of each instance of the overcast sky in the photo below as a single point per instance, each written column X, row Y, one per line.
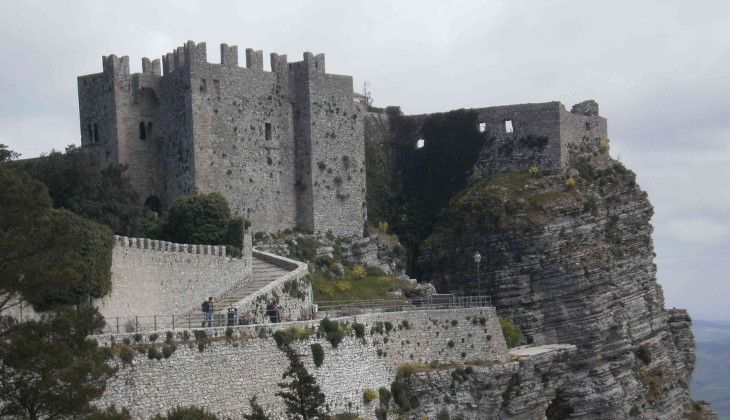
column 660, row 71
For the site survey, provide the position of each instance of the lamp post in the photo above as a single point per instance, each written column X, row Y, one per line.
column 477, row 260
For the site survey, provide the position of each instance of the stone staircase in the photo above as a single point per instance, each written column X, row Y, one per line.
column 263, row 274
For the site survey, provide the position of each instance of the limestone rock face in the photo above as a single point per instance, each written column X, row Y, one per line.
column 569, row 257
column 525, row 387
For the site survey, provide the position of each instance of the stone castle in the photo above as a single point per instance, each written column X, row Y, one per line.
column 284, row 146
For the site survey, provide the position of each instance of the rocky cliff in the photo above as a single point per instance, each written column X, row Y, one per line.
column 569, row 257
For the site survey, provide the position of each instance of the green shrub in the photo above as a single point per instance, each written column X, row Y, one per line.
column 388, row 326
column 168, row 337
column 378, row 328
column 512, row 332
column 381, row 413
column 153, row 337
column 153, row 353
column 317, row 354
column 137, row 338
column 168, row 350
column 407, row 369
column 450, row 343
column 369, row 395
column 126, row 353
column 332, row 331
column 405, row 324
column 284, row 337
column 402, row 397
column 359, row 329
column 384, row 395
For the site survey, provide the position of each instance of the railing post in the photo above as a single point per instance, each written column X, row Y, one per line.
column 117, row 325
column 155, row 322
column 136, row 324
column 189, row 322
column 173, row 322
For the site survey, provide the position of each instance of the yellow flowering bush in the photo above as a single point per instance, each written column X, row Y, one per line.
column 570, row 182
column 534, row 170
column 343, row 285
column 604, row 145
column 359, row 271
column 383, row 226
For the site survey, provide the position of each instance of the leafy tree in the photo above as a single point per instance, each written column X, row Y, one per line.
column 257, row 412
column 203, row 219
column 302, row 396
column 7, row 154
column 187, row 413
column 77, row 182
column 48, row 257
column 49, row 369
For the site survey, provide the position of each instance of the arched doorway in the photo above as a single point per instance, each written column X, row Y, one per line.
column 153, row 203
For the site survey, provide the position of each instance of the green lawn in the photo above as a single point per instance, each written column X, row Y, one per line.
column 328, row 287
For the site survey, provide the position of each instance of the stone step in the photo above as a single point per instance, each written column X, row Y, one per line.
column 263, row 274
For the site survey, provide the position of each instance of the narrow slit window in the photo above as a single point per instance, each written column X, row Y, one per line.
column 96, row 133
column 267, row 131
column 508, row 126
column 142, row 131
column 91, row 134
column 482, row 127
column 420, row 143
column 588, row 126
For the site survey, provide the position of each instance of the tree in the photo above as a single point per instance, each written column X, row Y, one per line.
column 77, row 182
column 302, row 396
column 48, row 257
column 7, row 154
column 257, row 412
column 203, row 219
column 49, row 369
column 187, row 413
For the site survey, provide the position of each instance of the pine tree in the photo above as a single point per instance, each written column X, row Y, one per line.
column 257, row 412
column 302, row 396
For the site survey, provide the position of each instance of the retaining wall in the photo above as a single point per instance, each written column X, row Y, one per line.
column 228, row 373
column 151, row 277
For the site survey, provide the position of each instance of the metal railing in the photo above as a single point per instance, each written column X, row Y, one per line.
column 345, row 308
column 138, row 324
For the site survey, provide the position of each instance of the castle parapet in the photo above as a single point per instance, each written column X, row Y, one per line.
column 254, row 59
column 229, row 55
column 314, row 63
column 165, row 246
column 151, row 67
column 115, row 66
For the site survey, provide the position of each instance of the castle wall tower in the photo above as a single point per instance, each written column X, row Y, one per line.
column 284, row 146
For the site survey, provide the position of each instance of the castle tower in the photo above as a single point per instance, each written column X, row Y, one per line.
column 284, row 146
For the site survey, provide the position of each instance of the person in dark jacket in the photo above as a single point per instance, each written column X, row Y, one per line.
column 208, row 310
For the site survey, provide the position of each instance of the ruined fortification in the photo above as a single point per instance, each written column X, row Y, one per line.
column 284, row 146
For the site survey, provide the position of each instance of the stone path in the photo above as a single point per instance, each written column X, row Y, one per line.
column 263, row 274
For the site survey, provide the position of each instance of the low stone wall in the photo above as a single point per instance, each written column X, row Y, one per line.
column 224, row 376
column 292, row 292
column 151, row 277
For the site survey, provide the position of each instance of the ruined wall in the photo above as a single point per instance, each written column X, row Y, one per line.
column 220, row 378
column 151, row 277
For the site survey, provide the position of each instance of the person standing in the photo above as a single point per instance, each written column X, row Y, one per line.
column 208, row 311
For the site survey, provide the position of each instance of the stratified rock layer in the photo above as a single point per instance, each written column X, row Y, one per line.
column 569, row 257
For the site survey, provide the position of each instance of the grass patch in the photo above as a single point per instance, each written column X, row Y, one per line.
column 351, row 287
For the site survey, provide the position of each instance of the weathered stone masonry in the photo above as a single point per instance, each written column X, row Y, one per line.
column 222, row 378
column 284, row 146
column 151, row 277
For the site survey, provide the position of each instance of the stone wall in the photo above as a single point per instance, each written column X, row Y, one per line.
column 292, row 292
column 151, row 277
column 230, row 371
column 259, row 137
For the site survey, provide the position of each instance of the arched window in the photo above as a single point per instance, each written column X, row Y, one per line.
column 96, row 134
column 142, row 131
column 149, row 130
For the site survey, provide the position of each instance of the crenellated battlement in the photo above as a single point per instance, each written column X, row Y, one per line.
column 165, row 246
column 184, row 125
column 115, row 66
